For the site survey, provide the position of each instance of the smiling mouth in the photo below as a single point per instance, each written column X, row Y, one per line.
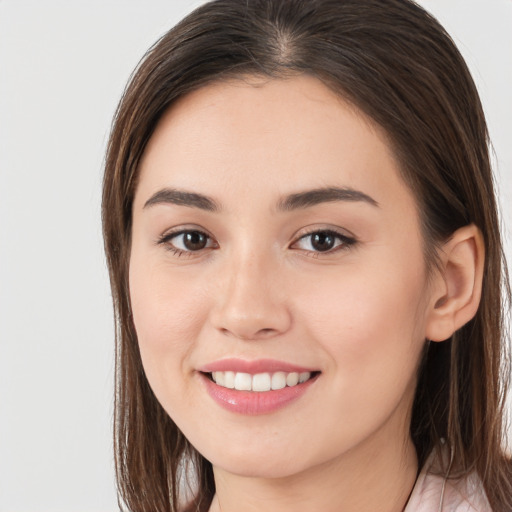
column 260, row 382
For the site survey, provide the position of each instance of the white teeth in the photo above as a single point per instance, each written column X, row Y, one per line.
column 229, row 379
column 219, row 378
column 243, row 382
column 292, row 379
column 304, row 376
column 279, row 380
column 260, row 382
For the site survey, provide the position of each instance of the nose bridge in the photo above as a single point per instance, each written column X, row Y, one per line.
column 251, row 302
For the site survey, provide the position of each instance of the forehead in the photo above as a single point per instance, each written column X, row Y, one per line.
column 258, row 138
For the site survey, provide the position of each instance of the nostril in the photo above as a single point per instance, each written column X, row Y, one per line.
column 266, row 331
column 248, row 335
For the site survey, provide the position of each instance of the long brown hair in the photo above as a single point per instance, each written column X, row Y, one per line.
column 394, row 62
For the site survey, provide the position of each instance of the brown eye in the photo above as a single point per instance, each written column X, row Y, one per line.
column 187, row 241
column 323, row 241
column 194, row 240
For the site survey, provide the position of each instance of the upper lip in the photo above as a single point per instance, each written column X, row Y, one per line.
column 252, row 367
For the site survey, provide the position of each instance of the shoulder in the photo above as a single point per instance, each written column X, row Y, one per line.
column 433, row 492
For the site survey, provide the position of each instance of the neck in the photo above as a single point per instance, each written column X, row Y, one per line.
column 377, row 476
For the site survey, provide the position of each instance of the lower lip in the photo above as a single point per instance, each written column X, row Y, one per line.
column 255, row 402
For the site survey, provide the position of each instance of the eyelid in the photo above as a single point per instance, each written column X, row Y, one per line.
column 347, row 239
column 315, row 228
column 183, row 228
column 167, row 236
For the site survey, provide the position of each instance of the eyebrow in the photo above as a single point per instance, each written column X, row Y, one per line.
column 183, row 198
column 323, row 195
column 300, row 200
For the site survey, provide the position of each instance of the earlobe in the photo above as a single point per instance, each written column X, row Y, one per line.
column 458, row 283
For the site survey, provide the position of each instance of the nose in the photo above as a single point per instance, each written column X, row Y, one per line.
column 251, row 303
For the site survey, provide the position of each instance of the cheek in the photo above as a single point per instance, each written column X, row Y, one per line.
column 372, row 335
column 371, row 321
column 167, row 320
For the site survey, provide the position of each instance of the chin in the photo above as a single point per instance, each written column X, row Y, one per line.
column 257, row 461
column 265, row 469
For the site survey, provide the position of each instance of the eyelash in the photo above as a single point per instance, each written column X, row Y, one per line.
column 166, row 241
column 344, row 242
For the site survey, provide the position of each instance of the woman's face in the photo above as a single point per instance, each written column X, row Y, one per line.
column 274, row 237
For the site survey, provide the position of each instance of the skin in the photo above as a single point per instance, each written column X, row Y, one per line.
column 359, row 313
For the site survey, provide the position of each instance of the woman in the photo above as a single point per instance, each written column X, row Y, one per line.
column 306, row 265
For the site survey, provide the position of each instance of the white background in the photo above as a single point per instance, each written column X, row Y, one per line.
column 63, row 66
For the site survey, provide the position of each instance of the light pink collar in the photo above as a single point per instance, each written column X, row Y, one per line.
column 436, row 493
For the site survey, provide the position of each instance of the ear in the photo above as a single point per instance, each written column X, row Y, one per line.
column 457, row 286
